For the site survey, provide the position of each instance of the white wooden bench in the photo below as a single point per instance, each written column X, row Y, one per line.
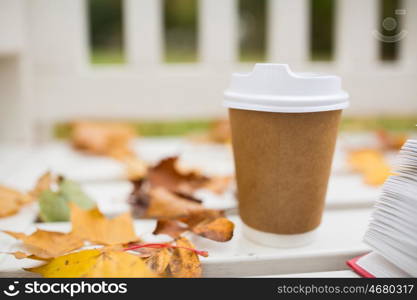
column 349, row 205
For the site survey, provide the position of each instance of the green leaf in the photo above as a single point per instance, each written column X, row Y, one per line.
column 71, row 191
column 54, row 205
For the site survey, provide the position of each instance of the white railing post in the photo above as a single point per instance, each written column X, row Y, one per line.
column 288, row 22
column 218, row 31
column 408, row 45
column 356, row 44
column 11, row 26
column 15, row 113
column 58, row 35
column 143, row 31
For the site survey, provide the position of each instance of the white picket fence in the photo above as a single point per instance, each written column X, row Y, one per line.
column 45, row 74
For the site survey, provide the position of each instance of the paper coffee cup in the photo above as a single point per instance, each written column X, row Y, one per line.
column 284, row 128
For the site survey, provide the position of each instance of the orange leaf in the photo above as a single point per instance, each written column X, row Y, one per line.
column 11, row 201
column 220, row 229
column 159, row 261
column 101, row 138
column 391, row 141
column 207, row 223
column 93, row 226
column 22, row 255
column 44, row 183
column 371, row 164
column 48, row 244
column 184, row 263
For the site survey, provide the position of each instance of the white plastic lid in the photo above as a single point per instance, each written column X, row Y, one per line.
column 275, row 88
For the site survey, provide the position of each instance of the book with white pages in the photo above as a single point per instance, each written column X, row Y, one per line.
column 392, row 232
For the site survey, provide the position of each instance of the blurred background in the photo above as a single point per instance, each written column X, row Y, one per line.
column 162, row 65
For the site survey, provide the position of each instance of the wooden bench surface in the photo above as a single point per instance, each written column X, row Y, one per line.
column 349, row 205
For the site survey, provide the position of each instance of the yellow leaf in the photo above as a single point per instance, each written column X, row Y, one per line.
column 48, row 244
column 95, row 263
column 371, row 164
column 93, row 226
column 363, row 159
column 377, row 174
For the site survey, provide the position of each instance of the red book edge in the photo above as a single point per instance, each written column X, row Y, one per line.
column 358, row 269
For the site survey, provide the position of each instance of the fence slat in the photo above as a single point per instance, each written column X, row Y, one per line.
column 143, row 31
column 218, row 30
column 356, row 44
column 57, row 35
column 11, row 26
column 409, row 43
column 288, row 31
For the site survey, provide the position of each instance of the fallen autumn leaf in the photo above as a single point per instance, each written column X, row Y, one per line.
column 91, row 225
column 47, row 244
column 96, row 263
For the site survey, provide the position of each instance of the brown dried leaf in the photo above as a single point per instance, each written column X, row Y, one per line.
column 173, row 228
column 218, row 184
column 184, row 263
column 210, row 224
column 158, row 262
column 159, row 202
column 48, row 244
column 166, row 174
column 220, row 230
column 101, row 138
column 93, row 226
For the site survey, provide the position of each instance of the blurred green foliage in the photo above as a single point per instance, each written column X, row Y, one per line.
column 390, row 123
column 180, row 21
column 389, row 51
column 184, row 127
column 106, row 31
column 150, row 128
column 322, row 14
column 252, row 30
column 181, row 30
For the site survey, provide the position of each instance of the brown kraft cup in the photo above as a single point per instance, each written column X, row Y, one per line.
column 283, row 163
column 284, row 127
